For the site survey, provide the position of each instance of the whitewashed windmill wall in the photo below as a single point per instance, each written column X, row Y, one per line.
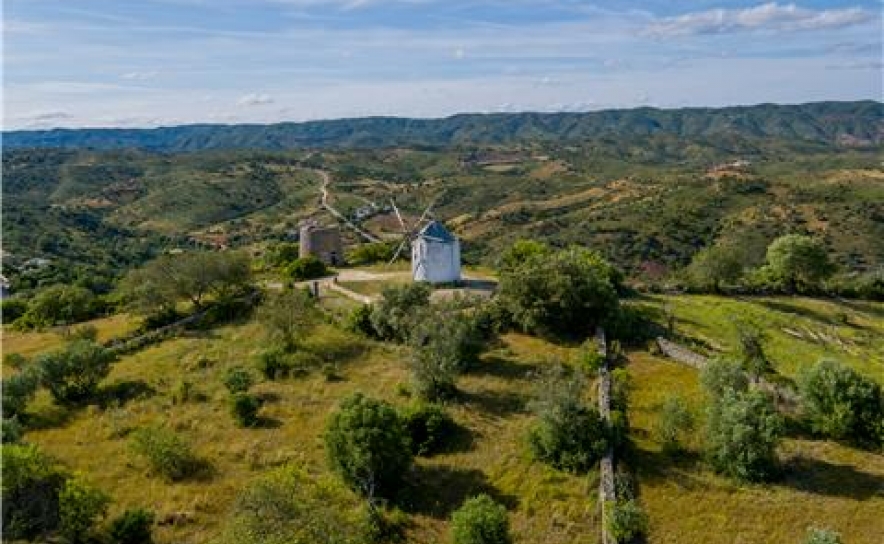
column 435, row 255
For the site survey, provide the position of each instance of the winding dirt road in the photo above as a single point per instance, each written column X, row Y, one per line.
column 323, row 189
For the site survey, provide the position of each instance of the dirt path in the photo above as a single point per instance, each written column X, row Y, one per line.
column 323, row 189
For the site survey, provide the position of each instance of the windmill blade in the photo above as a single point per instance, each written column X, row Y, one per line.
column 424, row 215
column 399, row 216
column 405, row 240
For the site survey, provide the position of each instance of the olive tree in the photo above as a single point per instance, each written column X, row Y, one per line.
column 715, row 266
column 72, row 374
column 480, row 520
column 799, row 262
column 287, row 316
column 393, row 316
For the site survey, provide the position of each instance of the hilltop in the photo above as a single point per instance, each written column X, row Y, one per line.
column 843, row 123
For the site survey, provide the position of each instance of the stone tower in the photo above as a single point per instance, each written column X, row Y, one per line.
column 323, row 243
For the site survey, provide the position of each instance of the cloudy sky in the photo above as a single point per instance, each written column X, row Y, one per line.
column 161, row 62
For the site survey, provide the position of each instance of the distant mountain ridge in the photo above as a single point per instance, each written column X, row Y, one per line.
column 857, row 123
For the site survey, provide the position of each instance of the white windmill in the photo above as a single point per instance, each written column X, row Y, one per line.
column 435, row 252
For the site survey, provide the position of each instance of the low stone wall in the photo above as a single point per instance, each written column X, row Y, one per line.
column 607, row 491
column 681, row 353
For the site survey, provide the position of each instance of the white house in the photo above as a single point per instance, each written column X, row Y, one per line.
column 435, row 255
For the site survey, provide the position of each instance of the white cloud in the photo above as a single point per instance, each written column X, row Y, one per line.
column 255, row 99
column 771, row 17
column 139, row 76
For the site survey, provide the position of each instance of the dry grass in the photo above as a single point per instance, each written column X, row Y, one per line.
column 32, row 343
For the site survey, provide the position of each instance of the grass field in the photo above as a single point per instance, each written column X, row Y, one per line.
column 824, row 483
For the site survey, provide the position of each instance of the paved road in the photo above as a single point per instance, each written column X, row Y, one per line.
column 326, row 180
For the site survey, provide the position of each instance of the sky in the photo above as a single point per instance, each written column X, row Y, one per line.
column 146, row 63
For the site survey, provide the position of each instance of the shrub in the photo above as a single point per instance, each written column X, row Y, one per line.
column 17, row 391
column 16, row 361
column 238, row 380
column 166, row 453
column 367, row 445
column 742, row 434
column 31, row 485
column 626, row 521
column 132, row 527
column 12, row 309
column 359, row 321
column 291, row 506
column 751, row 339
column 841, row 403
column 673, row 422
column 307, row 268
column 72, row 374
column 721, row 375
column 59, row 304
column 287, row 317
column 822, row 536
column 392, row 318
column 244, row 408
column 589, row 360
column 564, row 293
column 378, row 252
column 480, row 520
column 11, row 430
column 570, row 435
column 80, row 507
column 428, row 427
column 272, row 363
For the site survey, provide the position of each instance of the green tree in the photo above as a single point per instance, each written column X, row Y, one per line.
column 751, row 343
column 674, row 421
column 306, row 268
column 570, row 434
column 800, row 262
column 715, row 266
column 367, row 445
column 626, row 521
column 721, row 375
column 192, row 276
column 567, row 292
column 521, row 250
column 72, row 374
column 393, row 316
column 80, row 508
column 742, row 434
column 480, row 520
column 841, row 403
column 289, row 505
column 31, row 483
column 18, row 390
column 370, row 253
column 288, row 316
column 59, row 304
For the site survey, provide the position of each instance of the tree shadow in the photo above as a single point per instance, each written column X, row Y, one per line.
column 459, row 439
column 48, row 417
column 121, row 392
column 500, row 367
column 831, row 479
column 266, row 422
column 676, row 467
column 788, row 308
column 437, row 491
column 498, row 403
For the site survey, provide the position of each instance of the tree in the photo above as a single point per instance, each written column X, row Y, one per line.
column 480, row 520
column 742, row 434
column 521, row 250
column 18, row 390
column 626, row 521
column 800, row 262
column 31, row 484
column 367, row 445
column 673, row 422
column 570, row 434
column 193, row 276
column 73, row 373
column 59, row 304
column 306, row 268
column 721, row 375
column 292, row 506
column 752, row 355
column 393, row 317
column 841, row 403
column 567, row 292
column 287, row 317
column 80, row 508
column 715, row 266
column 370, row 253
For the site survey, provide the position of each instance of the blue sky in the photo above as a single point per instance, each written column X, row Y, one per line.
column 161, row 62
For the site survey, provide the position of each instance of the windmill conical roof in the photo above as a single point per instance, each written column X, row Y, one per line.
column 436, row 231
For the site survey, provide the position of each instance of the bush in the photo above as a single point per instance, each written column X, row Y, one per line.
column 291, row 506
column 565, row 293
column 307, row 268
column 80, row 507
column 742, row 434
column 15, row 361
column 378, row 252
column 244, row 408
column 287, row 317
column 12, row 309
column 822, row 536
column 752, row 339
column 17, row 392
column 429, row 426
column 480, row 520
column 721, row 375
column 798, row 262
column 166, row 453
column 72, row 374
column 367, row 445
column 842, row 404
column 132, row 527
column 238, row 380
column 393, row 317
column 11, row 430
column 359, row 321
column 570, row 435
column 59, row 304
column 673, row 422
column 273, row 363
column 31, row 485
column 626, row 521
